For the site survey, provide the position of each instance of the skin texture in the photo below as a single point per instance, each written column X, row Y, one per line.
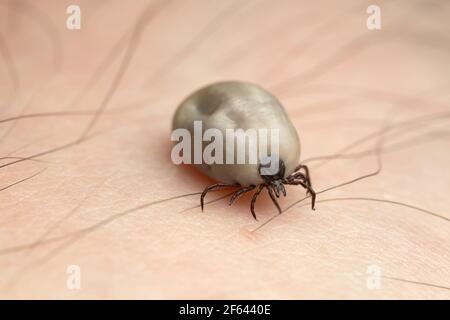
column 86, row 176
column 239, row 105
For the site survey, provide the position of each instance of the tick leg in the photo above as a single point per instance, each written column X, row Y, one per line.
column 310, row 191
column 283, row 189
column 302, row 177
column 307, row 175
column 297, row 175
column 274, row 200
column 313, row 197
column 275, row 189
column 240, row 192
column 305, row 182
column 212, row 187
column 255, row 196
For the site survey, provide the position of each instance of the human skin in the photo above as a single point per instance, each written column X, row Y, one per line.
column 101, row 190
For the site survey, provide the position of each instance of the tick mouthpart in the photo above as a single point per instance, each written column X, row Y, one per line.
column 278, row 187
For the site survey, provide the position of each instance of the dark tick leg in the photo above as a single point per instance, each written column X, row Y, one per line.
column 212, row 187
column 283, row 189
column 307, row 175
column 276, row 190
column 274, row 200
column 303, row 179
column 307, row 187
column 240, row 192
column 255, row 196
column 298, row 176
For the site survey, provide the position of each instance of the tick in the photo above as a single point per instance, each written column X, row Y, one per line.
column 236, row 105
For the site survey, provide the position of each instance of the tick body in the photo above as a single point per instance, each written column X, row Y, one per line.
column 239, row 105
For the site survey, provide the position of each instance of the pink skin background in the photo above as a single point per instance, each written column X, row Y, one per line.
column 92, row 147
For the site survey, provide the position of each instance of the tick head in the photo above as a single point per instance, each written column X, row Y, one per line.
column 273, row 176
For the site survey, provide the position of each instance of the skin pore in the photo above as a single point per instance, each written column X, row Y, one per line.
column 86, row 176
